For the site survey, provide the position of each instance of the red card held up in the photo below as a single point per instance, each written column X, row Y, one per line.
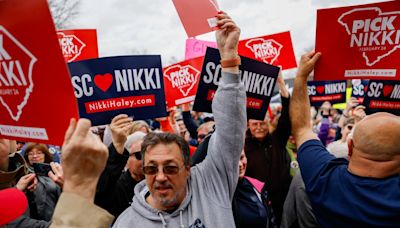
column 197, row 16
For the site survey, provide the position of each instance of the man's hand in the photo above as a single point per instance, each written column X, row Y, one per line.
column 282, row 86
column 28, row 181
column 307, row 64
column 299, row 108
column 121, row 127
column 227, row 39
column 185, row 107
column 351, row 103
column 359, row 113
column 84, row 157
column 57, row 174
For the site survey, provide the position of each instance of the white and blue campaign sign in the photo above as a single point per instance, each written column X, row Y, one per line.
column 359, row 87
column 106, row 87
column 321, row 91
column 259, row 79
column 383, row 96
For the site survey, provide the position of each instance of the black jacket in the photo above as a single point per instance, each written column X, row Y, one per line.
column 115, row 188
column 268, row 160
column 248, row 210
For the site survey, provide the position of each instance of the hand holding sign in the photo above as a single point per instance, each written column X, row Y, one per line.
column 282, row 86
column 227, row 36
column 359, row 113
column 121, row 127
column 307, row 63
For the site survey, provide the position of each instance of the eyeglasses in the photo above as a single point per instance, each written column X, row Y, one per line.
column 137, row 154
column 35, row 153
column 168, row 169
column 201, row 136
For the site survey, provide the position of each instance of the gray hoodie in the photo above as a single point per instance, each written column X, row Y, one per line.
column 212, row 183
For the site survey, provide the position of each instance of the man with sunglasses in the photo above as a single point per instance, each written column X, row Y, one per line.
column 176, row 195
column 115, row 188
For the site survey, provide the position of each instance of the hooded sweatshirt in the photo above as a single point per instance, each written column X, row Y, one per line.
column 212, row 183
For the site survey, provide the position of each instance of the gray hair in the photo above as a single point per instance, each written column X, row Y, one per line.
column 133, row 138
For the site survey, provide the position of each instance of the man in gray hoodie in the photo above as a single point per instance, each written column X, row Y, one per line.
column 175, row 195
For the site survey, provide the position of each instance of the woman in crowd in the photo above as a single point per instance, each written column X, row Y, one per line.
column 43, row 199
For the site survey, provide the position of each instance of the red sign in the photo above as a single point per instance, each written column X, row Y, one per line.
column 78, row 44
column 276, row 49
column 181, row 81
column 197, row 16
column 36, row 95
column 359, row 42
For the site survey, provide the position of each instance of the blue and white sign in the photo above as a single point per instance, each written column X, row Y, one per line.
column 106, row 87
column 259, row 80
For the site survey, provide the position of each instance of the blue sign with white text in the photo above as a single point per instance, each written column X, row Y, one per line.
column 359, row 87
column 259, row 80
column 106, row 87
column 321, row 91
column 383, row 96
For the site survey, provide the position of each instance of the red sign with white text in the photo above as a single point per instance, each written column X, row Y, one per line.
column 181, row 81
column 359, row 42
column 78, row 44
column 197, row 16
column 36, row 95
column 276, row 49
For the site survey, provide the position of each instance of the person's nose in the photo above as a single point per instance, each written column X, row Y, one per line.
column 160, row 176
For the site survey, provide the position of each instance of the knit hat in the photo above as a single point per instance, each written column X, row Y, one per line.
column 13, row 204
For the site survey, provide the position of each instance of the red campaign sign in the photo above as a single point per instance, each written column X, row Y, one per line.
column 78, row 44
column 359, row 42
column 36, row 95
column 181, row 81
column 197, row 16
column 276, row 49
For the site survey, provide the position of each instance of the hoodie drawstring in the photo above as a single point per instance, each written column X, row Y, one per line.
column 181, row 218
column 164, row 224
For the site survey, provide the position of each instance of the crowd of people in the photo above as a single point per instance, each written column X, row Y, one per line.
column 299, row 167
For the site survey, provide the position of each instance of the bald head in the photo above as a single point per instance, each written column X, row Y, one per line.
column 377, row 137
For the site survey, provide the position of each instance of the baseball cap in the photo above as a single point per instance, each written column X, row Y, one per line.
column 13, row 204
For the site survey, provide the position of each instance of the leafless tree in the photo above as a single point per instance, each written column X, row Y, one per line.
column 63, row 11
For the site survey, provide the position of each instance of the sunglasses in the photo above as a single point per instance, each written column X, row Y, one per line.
column 201, row 136
column 137, row 154
column 168, row 170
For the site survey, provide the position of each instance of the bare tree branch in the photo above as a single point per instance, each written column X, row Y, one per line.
column 63, row 11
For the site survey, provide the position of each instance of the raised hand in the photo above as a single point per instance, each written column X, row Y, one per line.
column 307, row 64
column 84, row 157
column 227, row 36
column 121, row 127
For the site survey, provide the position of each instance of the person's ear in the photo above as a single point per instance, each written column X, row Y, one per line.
column 350, row 145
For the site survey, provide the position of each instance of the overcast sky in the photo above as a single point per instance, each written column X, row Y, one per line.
column 126, row 27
